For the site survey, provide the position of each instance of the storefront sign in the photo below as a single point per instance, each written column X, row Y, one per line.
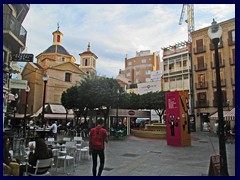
column 18, row 84
column 21, row 57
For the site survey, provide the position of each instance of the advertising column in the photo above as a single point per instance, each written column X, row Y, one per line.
column 178, row 133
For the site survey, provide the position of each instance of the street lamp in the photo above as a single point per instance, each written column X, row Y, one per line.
column 228, row 103
column 45, row 79
column 215, row 33
column 25, row 110
column 117, row 106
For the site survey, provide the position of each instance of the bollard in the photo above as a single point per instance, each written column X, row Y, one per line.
column 214, row 167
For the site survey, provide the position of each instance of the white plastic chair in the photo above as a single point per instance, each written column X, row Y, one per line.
column 85, row 153
column 78, row 141
column 40, row 168
column 69, row 156
column 65, row 139
column 50, row 141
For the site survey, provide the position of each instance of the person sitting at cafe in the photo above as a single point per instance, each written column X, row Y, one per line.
column 41, row 151
column 11, row 167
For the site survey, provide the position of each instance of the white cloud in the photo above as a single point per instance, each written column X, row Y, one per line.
column 115, row 30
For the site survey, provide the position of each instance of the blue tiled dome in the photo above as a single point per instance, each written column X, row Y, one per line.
column 56, row 49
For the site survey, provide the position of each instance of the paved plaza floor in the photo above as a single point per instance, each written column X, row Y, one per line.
column 133, row 156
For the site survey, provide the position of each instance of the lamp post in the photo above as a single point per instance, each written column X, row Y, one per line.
column 25, row 110
column 228, row 103
column 66, row 114
column 215, row 33
column 45, row 79
column 15, row 107
column 117, row 106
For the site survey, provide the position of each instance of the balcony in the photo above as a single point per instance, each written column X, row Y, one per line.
column 202, row 103
column 14, row 34
column 231, row 42
column 201, row 49
column 224, row 103
column 221, row 64
column 223, row 83
column 201, row 85
column 232, row 61
column 201, row 67
column 220, row 45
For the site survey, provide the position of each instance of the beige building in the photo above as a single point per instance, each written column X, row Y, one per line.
column 177, row 67
column 177, row 74
column 62, row 70
column 138, row 69
column 205, row 91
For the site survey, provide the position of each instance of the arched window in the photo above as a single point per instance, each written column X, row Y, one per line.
column 86, row 62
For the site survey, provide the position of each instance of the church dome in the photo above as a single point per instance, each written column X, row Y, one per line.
column 56, row 49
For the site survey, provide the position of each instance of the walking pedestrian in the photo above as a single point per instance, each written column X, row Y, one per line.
column 54, row 128
column 97, row 136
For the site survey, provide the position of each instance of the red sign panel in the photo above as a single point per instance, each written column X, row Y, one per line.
column 131, row 113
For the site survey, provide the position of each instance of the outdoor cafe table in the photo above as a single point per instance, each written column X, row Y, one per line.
column 43, row 132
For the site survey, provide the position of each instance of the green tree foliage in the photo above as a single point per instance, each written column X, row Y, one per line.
column 154, row 101
column 93, row 93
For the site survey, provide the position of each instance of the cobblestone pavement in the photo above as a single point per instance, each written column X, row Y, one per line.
column 134, row 156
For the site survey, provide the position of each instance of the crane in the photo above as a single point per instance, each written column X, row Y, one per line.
column 190, row 19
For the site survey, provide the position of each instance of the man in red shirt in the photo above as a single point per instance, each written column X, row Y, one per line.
column 97, row 136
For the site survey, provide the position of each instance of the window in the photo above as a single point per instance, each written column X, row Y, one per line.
column 144, row 60
column 219, row 57
column 58, row 38
column 184, row 63
column 148, row 79
column 231, row 35
column 165, row 67
column 233, row 55
column 148, row 72
column 171, row 66
column 200, row 62
column 128, row 74
column 63, row 59
column 199, row 44
column 129, row 63
column 138, row 73
column 202, row 96
column 224, row 97
column 201, row 77
column 201, row 80
column 86, row 62
column 68, row 77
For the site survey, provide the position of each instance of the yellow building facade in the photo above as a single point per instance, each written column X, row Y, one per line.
column 205, row 90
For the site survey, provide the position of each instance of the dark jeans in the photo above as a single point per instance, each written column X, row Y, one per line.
column 95, row 154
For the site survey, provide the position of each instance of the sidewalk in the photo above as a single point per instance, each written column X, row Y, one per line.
column 135, row 156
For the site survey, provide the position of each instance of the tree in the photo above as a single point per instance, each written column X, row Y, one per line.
column 154, row 101
column 93, row 93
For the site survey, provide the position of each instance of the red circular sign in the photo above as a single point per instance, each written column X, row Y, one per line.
column 131, row 112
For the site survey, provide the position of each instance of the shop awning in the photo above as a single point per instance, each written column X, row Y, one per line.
column 58, row 116
column 230, row 115
column 215, row 115
column 18, row 116
column 39, row 111
column 57, row 108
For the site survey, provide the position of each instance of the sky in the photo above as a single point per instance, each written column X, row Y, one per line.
column 114, row 30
